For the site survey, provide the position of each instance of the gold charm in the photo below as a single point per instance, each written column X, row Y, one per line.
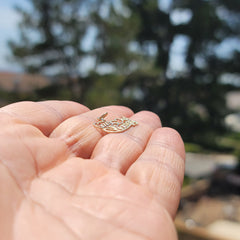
column 115, row 126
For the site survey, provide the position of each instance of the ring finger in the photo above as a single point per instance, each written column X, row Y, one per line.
column 120, row 150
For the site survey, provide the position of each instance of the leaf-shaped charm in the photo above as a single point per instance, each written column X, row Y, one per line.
column 115, row 126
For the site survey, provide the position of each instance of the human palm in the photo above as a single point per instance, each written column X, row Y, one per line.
column 61, row 178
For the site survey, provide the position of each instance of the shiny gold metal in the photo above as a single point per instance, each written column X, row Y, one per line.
column 117, row 125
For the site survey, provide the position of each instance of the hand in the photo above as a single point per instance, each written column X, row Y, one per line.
column 61, row 178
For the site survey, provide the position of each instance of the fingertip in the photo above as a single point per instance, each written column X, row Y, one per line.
column 76, row 105
column 170, row 139
column 149, row 118
column 117, row 108
column 62, row 106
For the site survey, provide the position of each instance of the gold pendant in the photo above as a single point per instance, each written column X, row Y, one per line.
column 117, row 125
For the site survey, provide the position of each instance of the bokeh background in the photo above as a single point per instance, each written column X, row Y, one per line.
column 177, row 58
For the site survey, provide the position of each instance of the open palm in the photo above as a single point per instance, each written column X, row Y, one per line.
column 61, row 178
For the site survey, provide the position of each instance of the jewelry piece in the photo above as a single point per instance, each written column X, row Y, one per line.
column 115, row 126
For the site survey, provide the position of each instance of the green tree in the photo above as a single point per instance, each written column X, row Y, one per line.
column 115, row 32
column 56, row 38
column 190, row 98
column 51, row 39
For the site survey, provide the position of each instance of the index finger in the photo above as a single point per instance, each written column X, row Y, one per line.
column 46, row 115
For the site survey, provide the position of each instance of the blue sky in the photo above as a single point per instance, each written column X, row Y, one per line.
column 8, row 30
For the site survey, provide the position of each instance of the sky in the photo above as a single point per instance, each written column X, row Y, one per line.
column 8, row 30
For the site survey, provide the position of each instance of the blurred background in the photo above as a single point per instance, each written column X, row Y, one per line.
column 177, row 58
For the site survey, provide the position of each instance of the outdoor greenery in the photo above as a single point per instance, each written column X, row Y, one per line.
column 177, row 58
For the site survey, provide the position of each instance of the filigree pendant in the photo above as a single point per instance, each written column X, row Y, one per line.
column 117, row 125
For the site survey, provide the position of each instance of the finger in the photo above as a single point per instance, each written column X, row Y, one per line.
column 161, row 167
column 45, row 115
column 80, row 135
column 120, row 150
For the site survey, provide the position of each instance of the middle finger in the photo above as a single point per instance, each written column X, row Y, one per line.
column 80, row 135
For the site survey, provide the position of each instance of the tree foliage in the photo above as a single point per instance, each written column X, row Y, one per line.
column 52, row 35
column 169, row 58
column 191, row 99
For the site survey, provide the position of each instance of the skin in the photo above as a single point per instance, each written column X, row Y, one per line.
column 61, row 178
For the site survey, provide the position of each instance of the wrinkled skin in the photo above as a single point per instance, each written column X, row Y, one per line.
column 61, row 178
